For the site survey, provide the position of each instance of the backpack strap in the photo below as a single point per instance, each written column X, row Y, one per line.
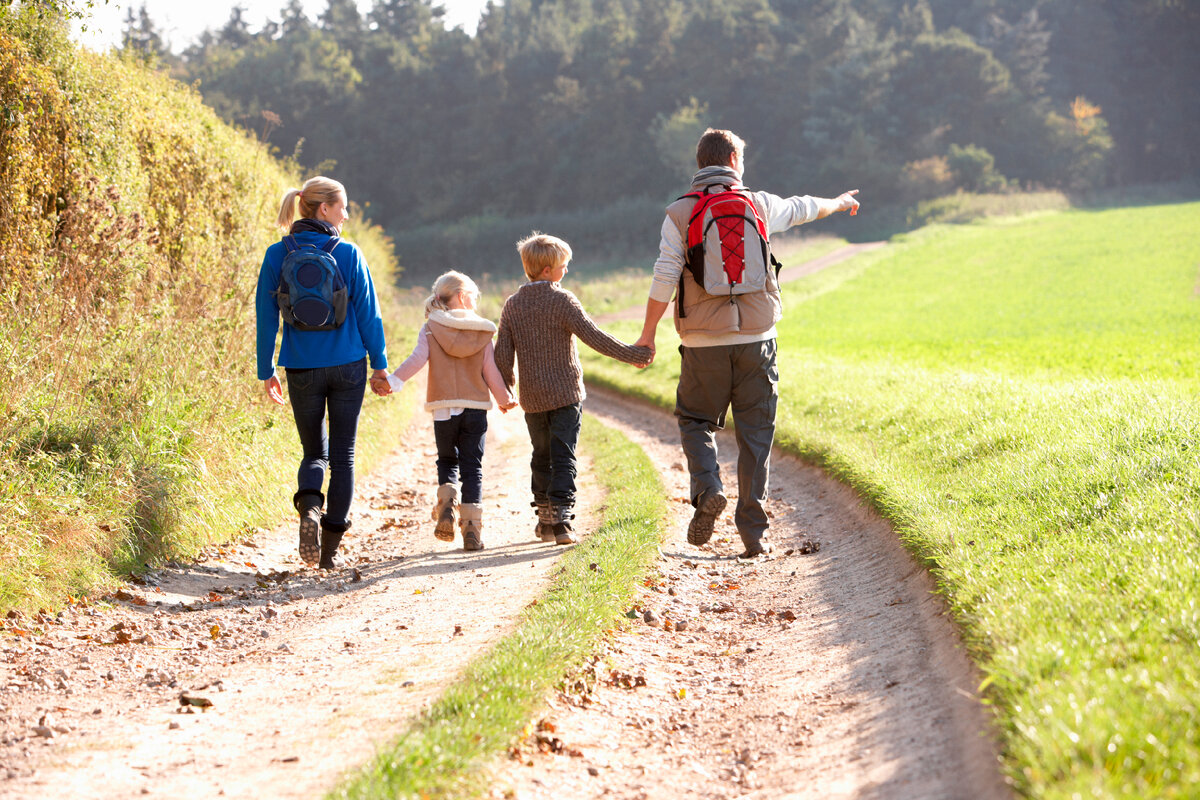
column 289, row 242
column 332, row 243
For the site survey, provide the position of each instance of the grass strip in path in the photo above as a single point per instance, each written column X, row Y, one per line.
column 477, row 719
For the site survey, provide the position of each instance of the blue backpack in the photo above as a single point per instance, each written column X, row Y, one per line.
column 312, row 294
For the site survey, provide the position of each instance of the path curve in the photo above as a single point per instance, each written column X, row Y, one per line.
column 827, row 675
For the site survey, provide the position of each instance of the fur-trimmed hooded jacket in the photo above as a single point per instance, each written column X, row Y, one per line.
column 459, row 343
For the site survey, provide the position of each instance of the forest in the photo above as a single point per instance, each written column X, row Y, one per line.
column 583, row 114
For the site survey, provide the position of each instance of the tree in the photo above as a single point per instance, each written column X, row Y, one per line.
column 141, row 36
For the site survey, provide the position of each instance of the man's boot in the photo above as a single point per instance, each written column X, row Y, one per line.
column 708, row 507
column 545, row 527
column 331, row 538
column 445, row 511
column 309, row 504
column 471, row 522
column 560, row 522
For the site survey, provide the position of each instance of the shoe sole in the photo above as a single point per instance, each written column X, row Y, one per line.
column 444, row 530
column 700, row 529
column 310, row 548
column 765, row 550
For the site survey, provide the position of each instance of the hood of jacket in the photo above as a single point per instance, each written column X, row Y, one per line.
column 460, row 332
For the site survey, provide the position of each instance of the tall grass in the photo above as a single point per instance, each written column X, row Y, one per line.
column 132, row 428
column 1018, row 397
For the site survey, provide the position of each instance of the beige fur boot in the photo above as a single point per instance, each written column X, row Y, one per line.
column 471, row 522
column 444, row 512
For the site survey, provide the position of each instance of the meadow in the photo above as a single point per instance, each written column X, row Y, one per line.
column 1018, row 397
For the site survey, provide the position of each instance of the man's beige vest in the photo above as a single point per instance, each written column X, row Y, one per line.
column 696, row 311
column 457, row 344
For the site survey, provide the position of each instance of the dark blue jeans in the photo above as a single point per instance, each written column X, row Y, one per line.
column 312, row 391
column 460, row 451
column 554, row 435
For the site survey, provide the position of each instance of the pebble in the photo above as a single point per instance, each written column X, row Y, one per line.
column 650, row 617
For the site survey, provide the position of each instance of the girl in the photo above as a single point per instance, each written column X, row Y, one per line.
column 457, row 344
column 325, row 359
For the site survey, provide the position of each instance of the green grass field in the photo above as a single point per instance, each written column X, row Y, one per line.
column 1018, row 397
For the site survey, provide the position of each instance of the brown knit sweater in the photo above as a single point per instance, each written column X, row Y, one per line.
column 536, row 327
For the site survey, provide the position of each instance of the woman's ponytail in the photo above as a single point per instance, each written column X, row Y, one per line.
column 287, row 210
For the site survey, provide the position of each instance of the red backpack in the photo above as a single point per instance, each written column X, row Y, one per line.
column 728, row 250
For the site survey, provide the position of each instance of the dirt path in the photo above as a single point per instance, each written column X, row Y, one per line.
column 785, row 275
column 307, row 673
column 825, row 675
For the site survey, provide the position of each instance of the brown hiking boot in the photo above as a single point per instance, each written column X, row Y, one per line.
column 444, row 512
column 545, row 528
column 759, row 548
column 708, row 508
column 560, row 525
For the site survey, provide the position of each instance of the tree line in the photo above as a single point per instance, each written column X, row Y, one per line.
column 577, row 105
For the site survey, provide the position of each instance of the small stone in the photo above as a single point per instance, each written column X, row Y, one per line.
column 44, row 731
column 650, row 617
column 174, row 726
column 593, row 771
column 681, row 625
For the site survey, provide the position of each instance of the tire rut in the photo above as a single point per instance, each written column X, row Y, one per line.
column 836, row 673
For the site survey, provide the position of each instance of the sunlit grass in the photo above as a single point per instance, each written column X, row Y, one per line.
column 1018, row 398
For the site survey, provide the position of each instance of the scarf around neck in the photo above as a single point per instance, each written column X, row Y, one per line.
column 714, row 176
column 314, row 225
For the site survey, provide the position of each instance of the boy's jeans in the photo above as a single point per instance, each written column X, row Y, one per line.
column 711, row 380
column 341, row 388
column 554, row 435
column 460, row 451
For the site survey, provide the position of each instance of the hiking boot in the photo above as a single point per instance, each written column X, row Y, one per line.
column 759, row 548
column 560, row 525
column 708, row 508
column 309, row 505
column 471, row 522
column 444, row 512
column 545, row 528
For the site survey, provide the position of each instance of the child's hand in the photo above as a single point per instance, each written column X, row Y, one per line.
column 506, row 405
column 647, row 358
column 379, row 383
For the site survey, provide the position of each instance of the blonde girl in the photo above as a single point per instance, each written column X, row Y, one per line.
column 456, row 343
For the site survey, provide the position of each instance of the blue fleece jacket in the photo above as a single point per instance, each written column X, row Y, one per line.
column 360, row 335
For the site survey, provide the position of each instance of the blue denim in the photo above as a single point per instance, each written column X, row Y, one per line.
column 460, row 442
column 554, row 435
column 331, row 444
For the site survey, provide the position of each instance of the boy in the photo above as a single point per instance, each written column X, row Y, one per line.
column 537, row 326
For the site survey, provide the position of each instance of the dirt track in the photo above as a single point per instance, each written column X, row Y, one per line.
column 826, row 674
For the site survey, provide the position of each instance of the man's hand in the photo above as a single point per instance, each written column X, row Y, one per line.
column 274, row 389
column 846, row 202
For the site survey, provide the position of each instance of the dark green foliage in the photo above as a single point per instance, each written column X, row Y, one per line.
column 574, row 105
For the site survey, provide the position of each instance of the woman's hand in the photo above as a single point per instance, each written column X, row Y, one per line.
column 274, row 389
column 379, row 383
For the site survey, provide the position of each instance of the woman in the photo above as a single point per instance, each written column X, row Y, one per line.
column 326, row 358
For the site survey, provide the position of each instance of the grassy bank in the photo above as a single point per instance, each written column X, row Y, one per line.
column 132, row 427
column 479, row 717
column 1018, row 397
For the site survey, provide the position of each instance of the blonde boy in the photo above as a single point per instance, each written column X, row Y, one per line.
column 538, row 326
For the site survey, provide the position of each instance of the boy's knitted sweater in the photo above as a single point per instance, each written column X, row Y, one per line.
column 536, row 326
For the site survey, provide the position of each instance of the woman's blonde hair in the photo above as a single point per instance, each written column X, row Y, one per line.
column 445, row 287
column 310, row 196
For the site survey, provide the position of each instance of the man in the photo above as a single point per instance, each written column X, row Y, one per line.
column 728, row 344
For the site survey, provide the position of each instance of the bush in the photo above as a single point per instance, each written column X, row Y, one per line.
column 131, row 426
column 974, row 169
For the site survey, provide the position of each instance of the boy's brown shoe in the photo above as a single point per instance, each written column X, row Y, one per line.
column 708, row 508
column 545, row 527
column 471, row 522
column 559, row 519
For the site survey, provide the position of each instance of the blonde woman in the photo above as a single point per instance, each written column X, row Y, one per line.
column 319, row 284
column 456, row 343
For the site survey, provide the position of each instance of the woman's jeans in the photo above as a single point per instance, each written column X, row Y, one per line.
column 554, row 435
column 341, row 390
column 460, row 451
